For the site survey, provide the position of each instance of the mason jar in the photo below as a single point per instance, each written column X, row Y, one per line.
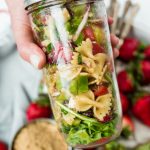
column 79, row 72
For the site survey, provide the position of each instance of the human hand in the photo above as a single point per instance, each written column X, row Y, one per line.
column 28, row 50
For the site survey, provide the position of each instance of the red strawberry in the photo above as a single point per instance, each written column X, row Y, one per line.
column 147, row 53
column 141, row 109
column 125, row 103
column 88, row 33
column 97, row 48
column 3, row 146
column 129, row 48
column 128, row 126
column 145, row 71
column 101, row 90
column 125, row 82
column 107, row 118
column 39, row 109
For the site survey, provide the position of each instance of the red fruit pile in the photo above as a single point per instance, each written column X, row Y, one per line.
column 136, row 57
column 39, row 109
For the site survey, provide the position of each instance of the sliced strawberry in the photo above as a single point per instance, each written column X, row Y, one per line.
column 101, row 90
column 107, row 118
column 88, row 33
column 97, row 48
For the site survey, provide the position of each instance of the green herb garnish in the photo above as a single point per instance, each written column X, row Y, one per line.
column 49, row 48
column 79, row 85
column 79, row 40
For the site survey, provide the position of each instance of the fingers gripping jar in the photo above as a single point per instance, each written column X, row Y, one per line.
column 79, row 73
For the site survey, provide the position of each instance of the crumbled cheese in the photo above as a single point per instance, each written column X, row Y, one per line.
column 71, row 103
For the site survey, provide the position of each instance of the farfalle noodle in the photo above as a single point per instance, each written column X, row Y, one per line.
column 106, row 102
column 86, row 49
column 83, row 101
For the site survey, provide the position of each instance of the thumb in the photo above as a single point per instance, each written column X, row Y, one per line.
column 28, row 50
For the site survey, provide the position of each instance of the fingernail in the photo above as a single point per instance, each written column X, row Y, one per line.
column 35, row 60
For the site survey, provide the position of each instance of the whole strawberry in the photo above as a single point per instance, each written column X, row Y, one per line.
column 3, row 146
column 129, row 49
column 125, row 82
column 144, row 71
column 39, row 109
column 147, row 53
column 141, row 109
column 128, row 127
column 124, row 102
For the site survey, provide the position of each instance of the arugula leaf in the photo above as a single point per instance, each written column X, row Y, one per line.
column 72, row 25
column 78, row 137
column 88, row 132
column 65, row 128
column 79, row 10
column 64, row 112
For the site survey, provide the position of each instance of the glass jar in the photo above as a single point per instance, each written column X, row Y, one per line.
column 79, row 73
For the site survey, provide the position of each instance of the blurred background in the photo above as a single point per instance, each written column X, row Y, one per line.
column 21, row 85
